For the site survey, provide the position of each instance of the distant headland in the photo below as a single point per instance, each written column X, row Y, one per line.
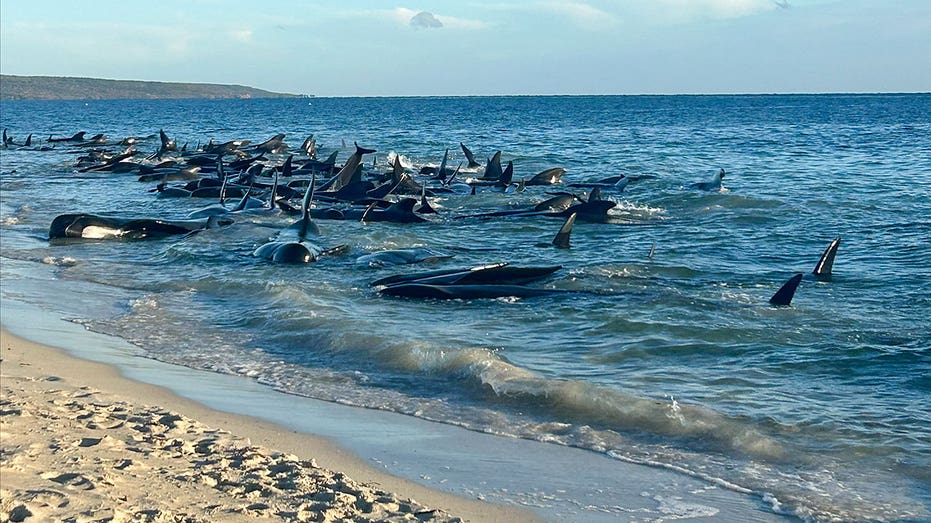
column 70, row 88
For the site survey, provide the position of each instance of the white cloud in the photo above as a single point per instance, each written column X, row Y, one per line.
column 242, row 35
column 425, row 20
column 582, row 14
column 717, row 8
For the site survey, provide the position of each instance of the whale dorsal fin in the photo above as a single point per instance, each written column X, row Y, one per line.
column 441, row 173
column 309, row 196
column 453, row 176
column 507, row 176
column 562, row 237
column 397, row 170
column 305, row 222
column 826, row 263
column 783, row 296
column 223, row 179
column 367, row 211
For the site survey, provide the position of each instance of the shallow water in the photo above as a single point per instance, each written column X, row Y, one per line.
column 674, row 360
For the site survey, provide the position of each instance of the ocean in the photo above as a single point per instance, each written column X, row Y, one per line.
column 666, row 351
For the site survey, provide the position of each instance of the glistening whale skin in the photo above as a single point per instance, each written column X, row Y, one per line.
column 498, row 273
column 291, row 244
column 826, row 263
column 91, row 226
column 464, row 292
column 783, row 297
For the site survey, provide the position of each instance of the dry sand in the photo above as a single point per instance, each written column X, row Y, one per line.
column 81, row 443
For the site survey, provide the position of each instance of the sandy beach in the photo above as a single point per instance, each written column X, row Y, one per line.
column 82, row 443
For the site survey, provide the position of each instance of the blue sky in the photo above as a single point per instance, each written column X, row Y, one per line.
column 474, row 47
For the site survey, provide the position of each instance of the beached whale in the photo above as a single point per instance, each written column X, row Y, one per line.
column 464, row 292
column 400, row 257
column 92, row 226
column 291, row 244
column 400, row 212
column 497, row 273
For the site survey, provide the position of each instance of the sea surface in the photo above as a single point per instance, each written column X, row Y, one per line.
column 675, row 360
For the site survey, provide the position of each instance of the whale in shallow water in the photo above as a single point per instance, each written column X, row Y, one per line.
column 400, row 212
column 494, row 274
column 616, row 183
column 547, row 177
column 275, row 144
column 714, row 184
column 561, row 241
column 469, row 156
column 784, row 295
column 400, row 257
column 291, row 245
column 464, row 292
column 76, row 137
column 349, row 172
column 825, row 265
column 92, row 226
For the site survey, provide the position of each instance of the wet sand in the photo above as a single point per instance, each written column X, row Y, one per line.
column 80, row 441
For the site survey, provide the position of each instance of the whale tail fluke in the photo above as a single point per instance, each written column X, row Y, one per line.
column 362, row 150
column 783, row 296
column 469, row 156
column 826, row 263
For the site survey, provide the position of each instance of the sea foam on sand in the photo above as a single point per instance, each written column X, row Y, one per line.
column 73, row 452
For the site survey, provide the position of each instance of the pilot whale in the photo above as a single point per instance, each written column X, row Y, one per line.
column 502, row 273
column 400, row 257
column 714, row 184
column 784, row 295
column 92, row 226
column 826, row 263
column 291, row 244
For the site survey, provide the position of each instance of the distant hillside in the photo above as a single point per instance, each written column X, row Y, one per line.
column 67, row 88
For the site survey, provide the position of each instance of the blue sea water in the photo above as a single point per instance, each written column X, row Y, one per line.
column 674, row 360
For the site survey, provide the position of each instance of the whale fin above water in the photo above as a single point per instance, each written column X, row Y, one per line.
column 469, row 156
column 493, row 169
column 826, row 263
column 350, row 171
column 441, row 174
column 561, row 240
column 712, row 185
column 783, row 296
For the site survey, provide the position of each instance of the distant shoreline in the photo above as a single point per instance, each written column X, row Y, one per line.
column 13, row 87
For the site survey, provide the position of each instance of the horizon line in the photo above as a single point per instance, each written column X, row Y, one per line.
column 310, row 95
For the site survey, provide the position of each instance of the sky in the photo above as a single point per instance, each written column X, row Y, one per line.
column 475, row 47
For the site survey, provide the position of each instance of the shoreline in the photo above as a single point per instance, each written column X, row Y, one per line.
column 472, row 475
column 37, row 377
